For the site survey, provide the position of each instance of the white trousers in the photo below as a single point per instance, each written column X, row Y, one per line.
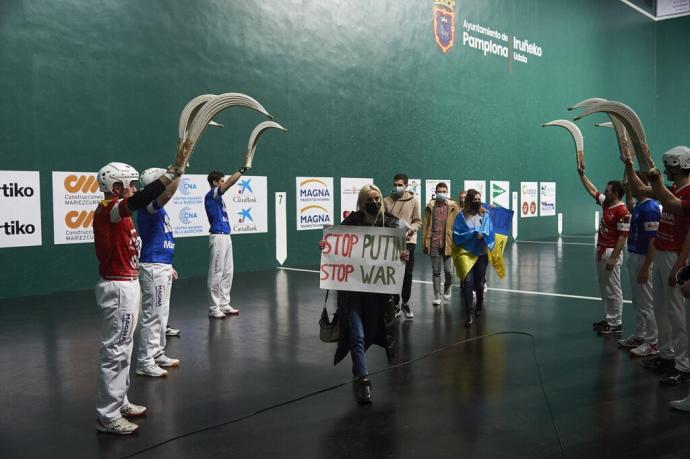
column 642, row 300
column 669, row 310
column 220, row 270
column 610, row 288
column 156, row 282
column 119, row 302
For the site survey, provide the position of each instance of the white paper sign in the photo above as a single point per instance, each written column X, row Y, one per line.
column 247, row 205
column 528, row 199
column 500, row 193
column 671, row 7
column 547, row 199
column 362, row 259
column 430, row 189
column 349, row 191
column 20, row 209
column 479, row 185
column 186, row 208
column 314, row 202
column 75, row 198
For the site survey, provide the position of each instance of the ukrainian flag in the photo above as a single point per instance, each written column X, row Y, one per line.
column 466, row 248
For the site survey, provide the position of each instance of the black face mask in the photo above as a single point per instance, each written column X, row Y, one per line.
column 475, row 206
column 373, row 208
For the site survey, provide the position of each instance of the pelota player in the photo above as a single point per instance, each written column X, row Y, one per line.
column 117, row 293
column 156, row 274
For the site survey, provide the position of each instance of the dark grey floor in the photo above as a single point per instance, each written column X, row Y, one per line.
column 480, row 399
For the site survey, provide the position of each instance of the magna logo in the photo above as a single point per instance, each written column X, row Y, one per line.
column 314, row 215
column 81, row 183
column 74, row 219
column 187, row 186
column 13, row 190
column 15, row 228
column 319, row 189
column 187, row 215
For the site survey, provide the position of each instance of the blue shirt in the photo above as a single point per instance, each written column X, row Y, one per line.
column 643, row 225
column 157, row 242
column 216, row 213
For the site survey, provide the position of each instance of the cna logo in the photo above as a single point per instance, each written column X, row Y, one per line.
column 79, row 218
column 245, row 215
column 187, row 186
column 314, row 214
column 245, row 186
column 81, row 183
column 187, row 215
column 314, row 188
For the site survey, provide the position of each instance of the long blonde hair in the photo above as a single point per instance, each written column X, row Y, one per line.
column 364, row 195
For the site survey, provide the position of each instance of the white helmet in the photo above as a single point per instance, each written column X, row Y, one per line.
column 112, row 173
column 150, row 175
column 677, row 156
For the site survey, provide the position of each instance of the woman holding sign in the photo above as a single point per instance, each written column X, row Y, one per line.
column 363, row 315
column 473, row 236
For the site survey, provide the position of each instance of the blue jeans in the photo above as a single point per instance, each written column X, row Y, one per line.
column 363, row 316
column 475, row 281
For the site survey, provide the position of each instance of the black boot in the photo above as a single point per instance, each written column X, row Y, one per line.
column 363, row 391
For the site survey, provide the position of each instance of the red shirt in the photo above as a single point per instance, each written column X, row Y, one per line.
column 117, row 242
column 672, row 227
column 615, row 222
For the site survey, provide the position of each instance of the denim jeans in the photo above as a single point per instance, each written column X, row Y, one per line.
column 364, row 315
column 475, row 282
column 438, row 258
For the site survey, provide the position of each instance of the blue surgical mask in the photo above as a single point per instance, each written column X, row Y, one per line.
column 441, row 196
column 398, row 190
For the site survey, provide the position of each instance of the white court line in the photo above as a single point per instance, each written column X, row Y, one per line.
column 519, row 241
column 522, row 292
column 587, row 237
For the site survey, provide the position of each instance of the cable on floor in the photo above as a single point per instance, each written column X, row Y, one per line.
column 382, row 370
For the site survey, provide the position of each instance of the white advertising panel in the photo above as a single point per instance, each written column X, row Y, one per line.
column 500, row 193
column 186, row 208
column 75, row 198
column 414, row 186
column 430, row 190
column 314, row 202
column 528, row 199
column 547, row 199
column 247, row 205
column 349, row 190
column 20, row 209
column 479, row 185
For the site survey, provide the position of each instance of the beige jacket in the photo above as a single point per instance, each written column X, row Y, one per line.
column 453, row 211
column 406, row 207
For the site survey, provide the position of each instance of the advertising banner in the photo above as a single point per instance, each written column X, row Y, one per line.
column 247, row 205
column 314, row 202
column 20, row 209
column 500, row 193
column 349, row 190
column 528, row 199
column 430, row 190
column 547, row 198
column 75, row 198
column 479, row 185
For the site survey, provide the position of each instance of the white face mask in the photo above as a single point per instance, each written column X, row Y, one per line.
column 398, row 190
column 441, row 196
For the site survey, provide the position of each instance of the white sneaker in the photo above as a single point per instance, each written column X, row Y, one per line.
column 645, row 349
column 682, row 405
column 153, row 371
column 216, row 314
column 170, row 331
column 229, row 310
column 437, row 299
column 119, row 426
column 165, row 361
column 407, row 311
column 446, row 293
column 132, row 411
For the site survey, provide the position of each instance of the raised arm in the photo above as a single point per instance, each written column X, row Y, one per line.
column 232, row 180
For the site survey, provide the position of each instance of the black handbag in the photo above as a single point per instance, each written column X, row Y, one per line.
column 329, row 328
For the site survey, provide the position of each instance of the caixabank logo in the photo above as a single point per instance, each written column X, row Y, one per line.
column 244, row 192
column 245, row 221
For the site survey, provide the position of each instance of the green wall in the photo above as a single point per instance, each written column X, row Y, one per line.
column 361, row 85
